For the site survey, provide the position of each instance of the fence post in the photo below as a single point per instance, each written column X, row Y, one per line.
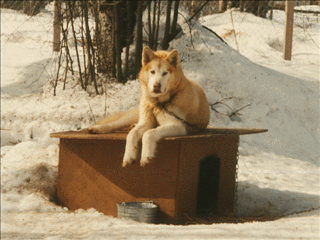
column 56, row 25
column 288, row 30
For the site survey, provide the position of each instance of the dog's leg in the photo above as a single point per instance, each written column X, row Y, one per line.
column 116, row 121
column 152, row 136
column 133, row 139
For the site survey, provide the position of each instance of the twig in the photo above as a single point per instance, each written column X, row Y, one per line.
column 19, row 141
column 75, row 43
column 234, row 31
column 43, row 70
column 237, row 111
column 210, row 30
column 219, row 112
column 190, row 29
column 223, row 99
column 3, row 129
column 94, row 119
column 85, row 75
column 112, row 4
column 105, row 100
column 55, row 83
column 206, row 45
column 227, row 106
column 68, row 57
column 234, row 112
column 199, row 10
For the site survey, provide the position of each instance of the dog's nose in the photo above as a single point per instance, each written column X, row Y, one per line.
column 157, row 86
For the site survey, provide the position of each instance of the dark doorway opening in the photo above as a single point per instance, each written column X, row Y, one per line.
column 208, row 184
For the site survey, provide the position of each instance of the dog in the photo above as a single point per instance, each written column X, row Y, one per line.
column 170, row 105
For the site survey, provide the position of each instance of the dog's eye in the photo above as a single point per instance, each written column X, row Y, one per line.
column 153, row 72
column 165, row 73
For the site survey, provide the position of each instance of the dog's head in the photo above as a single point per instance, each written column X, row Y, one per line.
column 159, row 71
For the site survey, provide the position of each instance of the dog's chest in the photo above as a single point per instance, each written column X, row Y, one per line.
column 167, row 115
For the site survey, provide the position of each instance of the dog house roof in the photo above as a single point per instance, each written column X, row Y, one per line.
column 121, row 135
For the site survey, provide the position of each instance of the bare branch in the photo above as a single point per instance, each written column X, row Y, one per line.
column 234, row 112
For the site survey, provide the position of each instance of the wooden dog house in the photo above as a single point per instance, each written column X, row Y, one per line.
column 189, row 174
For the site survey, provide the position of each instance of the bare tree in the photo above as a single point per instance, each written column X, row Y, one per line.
column 175, row 19
column 105, row 43
column 114, row 30
column 70, row 7
column 165, row 41
column 128, row 40
column 139, row 37
column 117, row 44
column 223, row 5
column 90, row 49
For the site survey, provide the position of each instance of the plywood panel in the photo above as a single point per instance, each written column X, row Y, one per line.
column 121, row 135
column 192, row 152
column 91, row 175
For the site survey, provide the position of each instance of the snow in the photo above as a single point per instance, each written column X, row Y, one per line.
column 278, row 171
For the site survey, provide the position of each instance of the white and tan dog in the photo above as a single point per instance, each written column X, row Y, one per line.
column 165, row 92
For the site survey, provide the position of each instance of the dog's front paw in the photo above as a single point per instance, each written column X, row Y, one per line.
column 144, row 161
column 129, row 157
column 147, row 154
column 128, row 161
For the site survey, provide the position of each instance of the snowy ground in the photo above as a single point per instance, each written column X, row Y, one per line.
column 278, row 170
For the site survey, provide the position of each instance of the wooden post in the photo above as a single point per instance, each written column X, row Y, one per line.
column 288, row 30
column 222, row 5
column 56, row 26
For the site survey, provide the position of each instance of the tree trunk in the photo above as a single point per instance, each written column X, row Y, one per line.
column 70, row 10
column 263, row 8
column 56, row 26
column 139, row 37
column 165, row 41
column 175, row 19
column 150, row 26
column 223, row 5
column 117, row 42
column 241, row 5
column 157, row 26
column 126, row 63
column 105, row 49
column 90, row 49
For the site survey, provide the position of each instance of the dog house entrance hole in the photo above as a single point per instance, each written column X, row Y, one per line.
column 208, row 184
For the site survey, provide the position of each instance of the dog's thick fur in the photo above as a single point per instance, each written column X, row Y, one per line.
column 163, row 86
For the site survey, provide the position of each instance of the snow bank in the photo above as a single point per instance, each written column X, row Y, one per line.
column 278, row 171
column 287, row 106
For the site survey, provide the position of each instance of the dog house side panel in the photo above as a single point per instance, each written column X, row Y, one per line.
column 228, row 154
column 91, row 176
column 194, row 150
column 82, row 184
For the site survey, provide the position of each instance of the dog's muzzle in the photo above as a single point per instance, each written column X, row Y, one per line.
column 156, row 88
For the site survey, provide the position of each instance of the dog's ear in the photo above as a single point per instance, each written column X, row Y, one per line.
column 147, row 56
column 173, row 58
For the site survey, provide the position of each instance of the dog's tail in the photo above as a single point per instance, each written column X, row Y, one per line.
column 116, row 121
